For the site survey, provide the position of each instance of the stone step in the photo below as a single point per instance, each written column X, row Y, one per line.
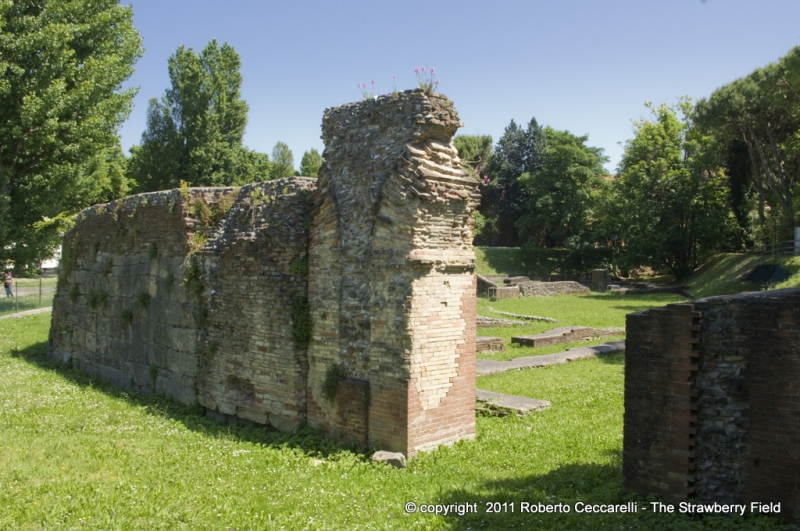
column 565, row 334
column 521, row 404
column 485, row 367
column 490, row 344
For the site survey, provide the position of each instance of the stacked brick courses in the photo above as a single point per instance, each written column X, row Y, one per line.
column 740, row 400
column 390, row 271
column 250, row 301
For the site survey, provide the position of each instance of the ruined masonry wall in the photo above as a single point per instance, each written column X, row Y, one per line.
column 347, row 301
column 711, row 400
column 391, row 282
column 190, row 294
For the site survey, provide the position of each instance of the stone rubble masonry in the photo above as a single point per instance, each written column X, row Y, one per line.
column 547, row 289
column 348, row 301
column 712, row 412
column 391, row 283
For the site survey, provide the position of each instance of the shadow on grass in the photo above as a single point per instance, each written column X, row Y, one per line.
column 577, row 486
column 513, row 261
column 617, row 358
column 588, row 483
column 307, row 439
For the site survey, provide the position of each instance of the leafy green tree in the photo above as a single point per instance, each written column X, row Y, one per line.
column 564, row 193
column 311, row 163
column 518, row 151
column 757, row 118
column 195, row 132
column 669, row 203
column 61, row 103
column 282, row 161
column 474, row 152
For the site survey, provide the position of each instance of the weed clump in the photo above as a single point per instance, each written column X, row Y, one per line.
column 301, row 321
column 142, row 300
column 330, row 387
column 98, row 299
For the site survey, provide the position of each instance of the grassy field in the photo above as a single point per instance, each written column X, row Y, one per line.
column 598, row 310
column 77, row 454
column 721, row 274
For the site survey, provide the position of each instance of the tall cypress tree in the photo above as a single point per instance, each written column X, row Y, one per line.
column 519, row 151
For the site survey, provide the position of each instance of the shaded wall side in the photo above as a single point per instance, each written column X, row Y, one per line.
column 745, row 399
column 121, row 311
column 660, row 365
column 254, row 274
column 723, row 409
column 772, row 381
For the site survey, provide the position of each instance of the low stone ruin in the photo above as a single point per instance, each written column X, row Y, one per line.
column 565, row 334
column 346, row 301
column 712, row 401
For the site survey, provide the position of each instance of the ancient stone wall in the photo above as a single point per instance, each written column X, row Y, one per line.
column 711, row 400
column 190, row 293
column 347, row 301
column 391, row 287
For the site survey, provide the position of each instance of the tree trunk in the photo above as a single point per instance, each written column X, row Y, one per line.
column 784, row 179
column 756, row 178
column 771, row 180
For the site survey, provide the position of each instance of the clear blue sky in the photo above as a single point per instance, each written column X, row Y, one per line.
column 583, row 65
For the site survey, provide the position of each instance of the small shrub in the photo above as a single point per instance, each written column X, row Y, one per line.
column 301, row 321
column 127, row 316
column 98, row 299
column 192, row 281
column 184, row 186
column 152, row 254
column 142, row 300
column 169, row 282
column 223, row 206
column 299, row 266
column 154, row 374
column 197, row 242
column 330, row 387
column 201, row 211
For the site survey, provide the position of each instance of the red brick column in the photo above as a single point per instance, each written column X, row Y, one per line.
column 660, row 402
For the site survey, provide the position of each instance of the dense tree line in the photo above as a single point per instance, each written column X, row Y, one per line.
column 718, row 175
column 61, row 104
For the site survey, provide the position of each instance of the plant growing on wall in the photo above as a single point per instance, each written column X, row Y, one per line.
column 367, row 93
column 330, row 387
column 427, row 79
column 301, row 320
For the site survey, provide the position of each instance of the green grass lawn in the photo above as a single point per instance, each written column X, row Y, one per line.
column 77, row 454
column 598, row 310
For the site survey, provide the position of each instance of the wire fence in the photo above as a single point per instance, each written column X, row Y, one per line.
column 28, row 294
column 784, row 248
